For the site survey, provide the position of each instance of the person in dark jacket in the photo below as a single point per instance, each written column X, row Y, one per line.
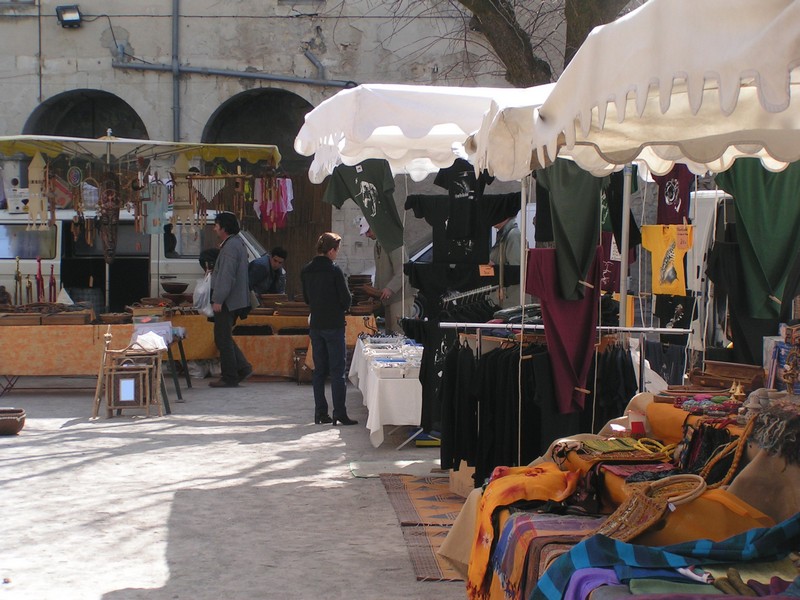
column 230, row 297
column 267, row 274
column 325, row 291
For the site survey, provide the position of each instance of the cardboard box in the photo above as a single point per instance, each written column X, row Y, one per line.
column 461, row 481
column 769, row 342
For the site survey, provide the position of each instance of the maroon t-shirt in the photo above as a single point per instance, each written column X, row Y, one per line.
column 569, row 326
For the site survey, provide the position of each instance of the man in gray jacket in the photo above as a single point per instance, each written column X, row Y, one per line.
column 230, row 298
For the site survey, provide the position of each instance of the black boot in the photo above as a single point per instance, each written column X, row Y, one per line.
column 343, row 419
column 322, row 418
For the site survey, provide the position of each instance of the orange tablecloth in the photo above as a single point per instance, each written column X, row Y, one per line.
column 78, row 349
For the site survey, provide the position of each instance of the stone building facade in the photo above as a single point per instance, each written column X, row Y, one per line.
column 210, row 71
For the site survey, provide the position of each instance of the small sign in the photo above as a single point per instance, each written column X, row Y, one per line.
column 682, row 237
column 616, row 255
column 486, row 270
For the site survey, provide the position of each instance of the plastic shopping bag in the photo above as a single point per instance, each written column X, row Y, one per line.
column 202, row 296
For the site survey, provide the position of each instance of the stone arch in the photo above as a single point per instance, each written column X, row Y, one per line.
column 262, row 116
column 86, row 113
column 273, row 116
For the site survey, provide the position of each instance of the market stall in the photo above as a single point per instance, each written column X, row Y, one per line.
column 703, row 97
column 95, row 211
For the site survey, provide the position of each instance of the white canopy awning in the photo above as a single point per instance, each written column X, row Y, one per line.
column 697, row 82
column 418, row 129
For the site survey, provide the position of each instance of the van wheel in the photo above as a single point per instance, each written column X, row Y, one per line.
column 419, row 308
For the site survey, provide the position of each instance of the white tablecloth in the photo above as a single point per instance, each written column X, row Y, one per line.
column 390, row 401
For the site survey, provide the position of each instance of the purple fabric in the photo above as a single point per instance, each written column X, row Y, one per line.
column 776, row 585
column 569, row 326
column 584, row 581
column 701, row 597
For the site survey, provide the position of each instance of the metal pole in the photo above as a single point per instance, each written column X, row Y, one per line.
column 523, row 246
column 623, row 265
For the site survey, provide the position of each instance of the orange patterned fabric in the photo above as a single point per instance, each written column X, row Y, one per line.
column 508, row 485
column 78, row 349
column 716, row 515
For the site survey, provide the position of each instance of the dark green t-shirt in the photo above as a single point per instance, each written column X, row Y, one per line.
column 371, row 186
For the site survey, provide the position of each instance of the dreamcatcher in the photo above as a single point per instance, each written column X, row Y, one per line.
column 75, row 181
column 108, row 211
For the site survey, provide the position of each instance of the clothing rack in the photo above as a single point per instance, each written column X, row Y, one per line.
column 476, row 292
column 603, row 328
column 536, row 327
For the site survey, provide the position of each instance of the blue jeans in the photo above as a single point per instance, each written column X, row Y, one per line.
column 330, row 357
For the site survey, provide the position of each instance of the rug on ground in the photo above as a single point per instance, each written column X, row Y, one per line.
column 426, row 510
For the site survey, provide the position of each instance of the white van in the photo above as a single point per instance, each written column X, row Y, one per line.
column 78, row 264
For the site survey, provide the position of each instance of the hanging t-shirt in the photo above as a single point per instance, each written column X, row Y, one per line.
column 725, row 271
column 436, row 212
column 569, row 326
column 703, row 210
column 768, row 219
column 371, row 186
column 612, row 260
column 473, row 249
column 543, row 220
column 611, row 206
column 667, row 245
column 464, row 189
column 674, row 312
column 673, row 195
column 575, row 209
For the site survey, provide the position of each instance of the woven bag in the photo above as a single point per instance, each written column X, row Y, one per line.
column 648, row 502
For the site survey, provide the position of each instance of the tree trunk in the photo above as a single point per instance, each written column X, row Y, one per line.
column 584, row 15
column 512, row 44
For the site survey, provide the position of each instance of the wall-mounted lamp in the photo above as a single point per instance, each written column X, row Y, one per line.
column 69, row 16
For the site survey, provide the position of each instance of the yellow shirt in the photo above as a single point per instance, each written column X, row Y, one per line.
column 667, row 245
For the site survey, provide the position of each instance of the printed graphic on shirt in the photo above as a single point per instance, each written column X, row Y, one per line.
column 368, row 199
column 668, row 274
column 668, row 245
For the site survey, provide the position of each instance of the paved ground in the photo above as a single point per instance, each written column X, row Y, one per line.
column 236, row 495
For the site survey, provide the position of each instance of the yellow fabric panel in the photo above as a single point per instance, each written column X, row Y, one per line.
column 715, row 515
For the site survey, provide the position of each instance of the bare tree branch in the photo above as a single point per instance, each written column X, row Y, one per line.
column 519, row 39
column 497, row 21
column 583, row 16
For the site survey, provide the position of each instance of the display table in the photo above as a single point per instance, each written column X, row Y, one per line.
column 59, row 350
column 392, row 395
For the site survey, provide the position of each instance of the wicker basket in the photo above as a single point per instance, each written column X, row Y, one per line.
column 648, row 502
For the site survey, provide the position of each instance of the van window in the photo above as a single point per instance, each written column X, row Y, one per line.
column 192, row 239
column 129, row 243
column 17, row 241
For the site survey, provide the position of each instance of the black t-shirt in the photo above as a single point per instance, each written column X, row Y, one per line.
column 464, row 189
